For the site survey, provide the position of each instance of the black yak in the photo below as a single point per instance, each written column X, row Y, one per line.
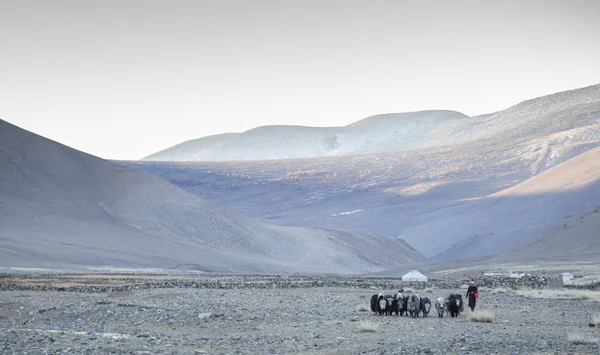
column 373, row 303
column 425, row 306
column 454, row 305
column 414, row 305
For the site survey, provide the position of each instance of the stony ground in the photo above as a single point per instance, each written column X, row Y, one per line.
column 316, row 320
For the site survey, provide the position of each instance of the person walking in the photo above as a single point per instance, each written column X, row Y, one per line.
column 472, row 294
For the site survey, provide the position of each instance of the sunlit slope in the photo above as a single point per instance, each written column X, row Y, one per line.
column 536, row 206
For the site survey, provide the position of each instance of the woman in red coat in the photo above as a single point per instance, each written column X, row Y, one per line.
column 472, row 294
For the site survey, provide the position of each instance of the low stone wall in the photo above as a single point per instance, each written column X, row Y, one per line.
column 595, row 286
column 131, row 283
column 527, row 281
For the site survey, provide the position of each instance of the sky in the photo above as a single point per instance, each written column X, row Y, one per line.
column 124, row 79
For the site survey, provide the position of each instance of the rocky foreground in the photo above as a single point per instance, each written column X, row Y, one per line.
column 315, row 320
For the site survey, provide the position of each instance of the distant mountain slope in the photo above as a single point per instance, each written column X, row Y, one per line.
column 61, row 207
column 275, row 142
column 189, row 150
column 379, row 133
column 384, row 133
column 578, row 239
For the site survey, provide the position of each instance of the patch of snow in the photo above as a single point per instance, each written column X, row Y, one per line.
column 346, row 213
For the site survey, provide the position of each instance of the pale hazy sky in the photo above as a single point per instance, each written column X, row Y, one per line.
column 124, row 79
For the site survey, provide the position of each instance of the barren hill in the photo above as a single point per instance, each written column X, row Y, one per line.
column 387, row 132
column 63, row 208
column 379, row 133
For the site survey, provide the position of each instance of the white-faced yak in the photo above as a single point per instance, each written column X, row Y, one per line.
column 389, row 304
column 440, row 306
column 381, row 304
column 425, row 306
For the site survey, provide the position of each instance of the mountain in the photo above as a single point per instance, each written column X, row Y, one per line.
column 63, row 208
column 374, row 134
column 382, row 133
column 440, row 199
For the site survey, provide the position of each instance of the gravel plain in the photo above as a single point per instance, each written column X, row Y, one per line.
column 314, row 320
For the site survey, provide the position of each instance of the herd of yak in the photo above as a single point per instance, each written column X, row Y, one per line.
column 413, row 304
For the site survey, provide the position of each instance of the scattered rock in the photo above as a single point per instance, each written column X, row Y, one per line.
column 205, row 315
column 177, row 315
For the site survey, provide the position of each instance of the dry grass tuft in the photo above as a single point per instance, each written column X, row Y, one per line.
column 577, row 338
column 366, row 326
column 596, row 320
column 482, row 316
column 561, row 294
column 586, row 280
column 363, row 309
column 500, row 290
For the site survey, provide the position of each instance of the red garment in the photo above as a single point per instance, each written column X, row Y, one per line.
column 471, row 296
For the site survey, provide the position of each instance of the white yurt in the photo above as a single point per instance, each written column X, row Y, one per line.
column 414, row 276
column 567, row 276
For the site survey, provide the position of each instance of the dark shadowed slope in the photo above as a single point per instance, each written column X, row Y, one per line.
column 576, row 240
column 62, row 207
